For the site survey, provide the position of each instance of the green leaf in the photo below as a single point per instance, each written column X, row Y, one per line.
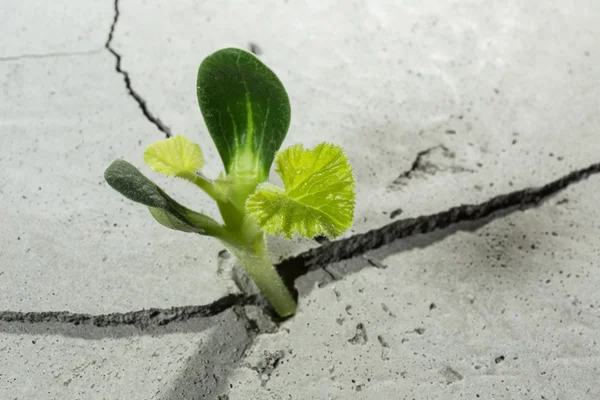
column 318, row 197
column 177, row 156
column 167, row 219
column 246, row 110
column 131, row 183
column 180, row 157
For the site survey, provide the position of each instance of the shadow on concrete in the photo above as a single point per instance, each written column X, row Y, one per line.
column 306, row 282
column 425, row 229
column 205, row 373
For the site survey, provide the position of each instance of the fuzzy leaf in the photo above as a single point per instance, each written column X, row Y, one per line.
column 245, row 108
column 131, row 183
column 177, row 156
column 318, row 197
column 170, row 221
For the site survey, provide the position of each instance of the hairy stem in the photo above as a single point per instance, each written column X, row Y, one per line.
column 206, row 185
column 254, row 258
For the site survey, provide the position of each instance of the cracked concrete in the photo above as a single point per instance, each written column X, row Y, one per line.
column 319, row 258
column 139, row 100
column 67, row 119
column 490, row 293
column 509, row 283
column 430, row 161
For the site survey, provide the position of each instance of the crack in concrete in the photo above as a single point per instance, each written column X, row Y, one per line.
column 416, row 165
column 424, row 165
column 356, row 245
column 49, row 55
column 141, row 102
column 141, row 319
column 316, row 258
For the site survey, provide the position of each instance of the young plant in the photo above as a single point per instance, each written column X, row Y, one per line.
column 247, row 112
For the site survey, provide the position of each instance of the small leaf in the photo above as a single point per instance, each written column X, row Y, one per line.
column 131, row 183
column 318, row 197
column 177, row 156
column 245, row 108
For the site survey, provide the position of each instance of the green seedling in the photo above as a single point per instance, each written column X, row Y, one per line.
column 247, row 112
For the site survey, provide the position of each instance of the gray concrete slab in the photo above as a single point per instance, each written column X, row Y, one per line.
column 437, row 104
column 505, row 311
column 38, row 29
column 68, row 240
column 122, row 363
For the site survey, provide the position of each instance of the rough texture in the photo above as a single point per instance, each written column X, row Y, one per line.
column 470, row 129
column 69, row 241
column 180, row 361
column 501, row 311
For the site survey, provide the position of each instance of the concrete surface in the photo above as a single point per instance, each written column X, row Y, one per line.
column 437, row 103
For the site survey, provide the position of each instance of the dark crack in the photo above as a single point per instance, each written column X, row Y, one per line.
column 141, row 319
column 356, row 245
column 418, row 164
column 59, row 54
column 424, row 164
column 316, row 258
column 141, row 102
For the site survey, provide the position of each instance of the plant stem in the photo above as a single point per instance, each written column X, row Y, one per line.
column 254, row 258
column 206, row 185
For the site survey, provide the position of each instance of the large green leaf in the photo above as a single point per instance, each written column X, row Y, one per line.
column 245, row 107
column 131, row 183
column 318, row 197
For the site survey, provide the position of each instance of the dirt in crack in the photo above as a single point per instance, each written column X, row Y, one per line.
column 139, row 100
